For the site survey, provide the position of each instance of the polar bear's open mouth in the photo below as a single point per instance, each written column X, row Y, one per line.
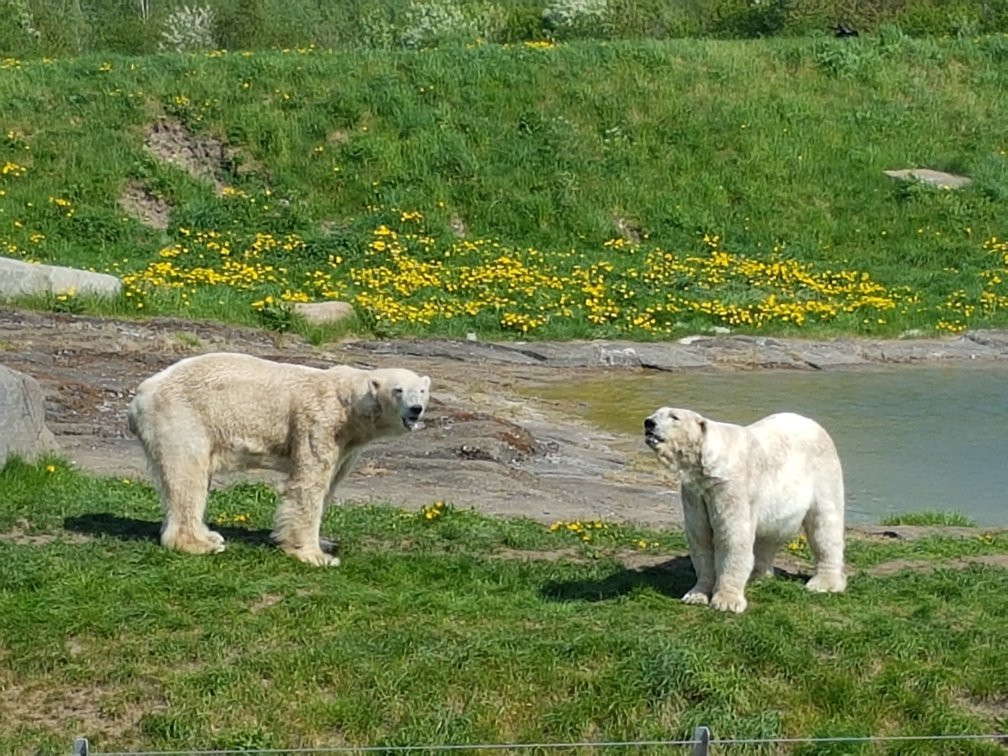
column 412, row 425
column 652, row 439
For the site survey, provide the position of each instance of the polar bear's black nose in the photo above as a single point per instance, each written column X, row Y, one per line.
column 414, row 411
column 649, row 424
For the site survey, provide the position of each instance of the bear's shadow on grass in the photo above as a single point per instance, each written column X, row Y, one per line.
column 672, row 578
column 132, row 529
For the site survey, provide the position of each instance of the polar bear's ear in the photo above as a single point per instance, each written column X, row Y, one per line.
column 374, row 386
column 703, row 425
column 425, row 382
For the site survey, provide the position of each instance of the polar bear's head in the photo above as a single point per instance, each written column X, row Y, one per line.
column 677, row 436
column 400, row 397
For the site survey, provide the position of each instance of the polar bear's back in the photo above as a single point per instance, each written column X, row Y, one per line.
column 226, row 383
column 798, row 468
column 234, row 396
column 791, row 439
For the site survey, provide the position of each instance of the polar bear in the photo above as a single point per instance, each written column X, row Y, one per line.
column 223, row 412
column 745, row 491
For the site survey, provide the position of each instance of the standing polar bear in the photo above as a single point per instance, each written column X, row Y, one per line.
column 746, row 491
column 219, row 412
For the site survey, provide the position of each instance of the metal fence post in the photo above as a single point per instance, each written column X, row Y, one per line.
column 701, row 741
column 81, row 747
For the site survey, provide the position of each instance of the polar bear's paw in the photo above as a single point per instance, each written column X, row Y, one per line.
column 696, row 596
column 204, row 542
column 214, row 537
column 827, row 582
column 724, row 601
column 314, row 556
column 762, row 572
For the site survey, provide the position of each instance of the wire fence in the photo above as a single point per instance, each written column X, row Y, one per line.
column 701, row 744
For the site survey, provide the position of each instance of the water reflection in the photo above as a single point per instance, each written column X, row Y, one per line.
column 910, row 438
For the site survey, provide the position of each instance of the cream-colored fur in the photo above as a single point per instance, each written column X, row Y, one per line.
column 746, row 491
column 220, row 412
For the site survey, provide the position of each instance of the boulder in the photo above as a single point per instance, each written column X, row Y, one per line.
column 22, row 417
column 24, row 279
column 928, row 176
column 320, row 313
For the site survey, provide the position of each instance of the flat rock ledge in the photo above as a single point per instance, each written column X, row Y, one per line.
column 708, row 352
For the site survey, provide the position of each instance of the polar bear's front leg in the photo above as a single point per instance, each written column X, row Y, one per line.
column 299, row 517
column 700, row 539
column 734, row 537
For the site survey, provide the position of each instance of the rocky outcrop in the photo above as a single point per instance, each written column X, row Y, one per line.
column 322, row 313
column 24, row 279
column 23, row 431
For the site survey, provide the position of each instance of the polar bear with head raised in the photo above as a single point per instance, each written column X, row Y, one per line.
column 223, row 412
column 746, row 490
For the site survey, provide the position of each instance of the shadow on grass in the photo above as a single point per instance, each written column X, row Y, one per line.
column 672, row 578
column 132, row 529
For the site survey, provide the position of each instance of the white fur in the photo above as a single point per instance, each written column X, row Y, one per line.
column 222, row 412
column 746, row 491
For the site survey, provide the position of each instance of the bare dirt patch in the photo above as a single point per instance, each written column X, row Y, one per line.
column 265, row 602
column 103, row 712
column 917, row 532
column 137, row 201
column 994, row 708
column 896, row 566
column 21, row 535
column 201, row 156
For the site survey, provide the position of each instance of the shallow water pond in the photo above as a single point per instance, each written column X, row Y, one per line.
column 910, row 438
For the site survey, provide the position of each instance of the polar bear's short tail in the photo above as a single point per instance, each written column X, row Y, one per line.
column 133, row 413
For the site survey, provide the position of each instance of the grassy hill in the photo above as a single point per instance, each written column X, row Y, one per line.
column 585, row 189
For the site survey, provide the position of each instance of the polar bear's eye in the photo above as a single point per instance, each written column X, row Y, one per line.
column 673, row 416
column 397, row 391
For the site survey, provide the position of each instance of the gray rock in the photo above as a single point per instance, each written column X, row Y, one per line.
column 741, row 352
column 622, row 357
column 24, row 279
column 320, row 313
column 22, row 417
column 928, row 176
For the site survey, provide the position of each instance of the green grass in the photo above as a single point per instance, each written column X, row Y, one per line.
column 928, row 518
column 640, row 189
column 433, row 631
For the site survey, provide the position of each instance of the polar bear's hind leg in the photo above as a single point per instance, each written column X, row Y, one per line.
column 824, row 529
column 183, row 483
column 764, row 551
